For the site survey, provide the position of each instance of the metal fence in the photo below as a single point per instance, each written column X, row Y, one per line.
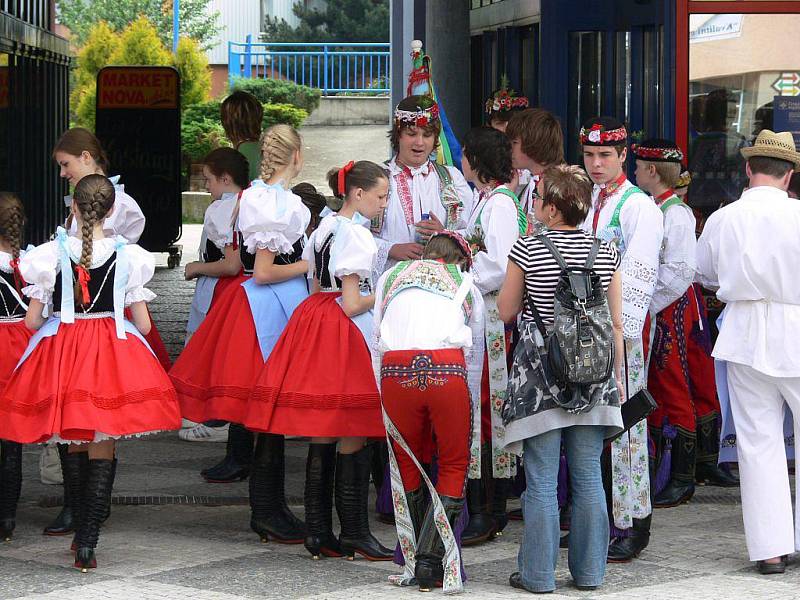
column 333, row 68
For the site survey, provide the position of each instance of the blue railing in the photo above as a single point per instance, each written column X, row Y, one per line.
column 333, row 68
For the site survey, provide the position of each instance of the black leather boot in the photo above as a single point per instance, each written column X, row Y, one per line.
column 352, row 500
column 113, row 478
column 10, row 487
column 63, row 523
column 96, row 497
column 320, row 470
column 500, row 491
column 707, row 471
column 680, row 488
column 270, row 516
column 625, row 549
column 417, row 506
column 238, row 457
column 73, row 467
column 429, row 571
column 482, row 525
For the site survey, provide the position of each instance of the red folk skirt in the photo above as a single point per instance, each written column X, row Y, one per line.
column 154, row 340
column 215, row 373
column 14, row 338
column 84, row 384
column 318, row 381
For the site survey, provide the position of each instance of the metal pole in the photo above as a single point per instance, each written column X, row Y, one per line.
column 176, row 6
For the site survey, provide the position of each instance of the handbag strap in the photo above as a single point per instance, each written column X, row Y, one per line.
column 551, row 247
column 536, row 316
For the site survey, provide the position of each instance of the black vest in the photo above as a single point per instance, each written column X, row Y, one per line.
column 101, row 288
column 249, row 260
column 9, row 307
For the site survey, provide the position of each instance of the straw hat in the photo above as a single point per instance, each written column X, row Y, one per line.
column 774, row 145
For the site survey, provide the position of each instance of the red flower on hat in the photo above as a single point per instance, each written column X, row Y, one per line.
column 422, row 121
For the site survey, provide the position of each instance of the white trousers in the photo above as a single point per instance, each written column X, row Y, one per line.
column 757, row 401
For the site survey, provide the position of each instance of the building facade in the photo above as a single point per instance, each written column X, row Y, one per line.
column 34, row 104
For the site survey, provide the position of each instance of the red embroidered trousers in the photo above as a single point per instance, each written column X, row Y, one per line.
column 424, row 392
column 681, row 375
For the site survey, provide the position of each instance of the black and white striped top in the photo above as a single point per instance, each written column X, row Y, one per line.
column 542, row 271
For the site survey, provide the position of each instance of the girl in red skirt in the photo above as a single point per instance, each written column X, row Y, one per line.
column 14, row 338
column 318, row 382
column 216, row 371
column 87, row 376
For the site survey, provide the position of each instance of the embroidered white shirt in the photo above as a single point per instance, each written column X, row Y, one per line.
column 425, row 198
column 677, row 260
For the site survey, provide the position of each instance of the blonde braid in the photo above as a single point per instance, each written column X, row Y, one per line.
column 278, row 146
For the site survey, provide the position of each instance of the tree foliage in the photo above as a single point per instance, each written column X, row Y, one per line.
column 339, row 21
column 138, row 44
column 196, row 21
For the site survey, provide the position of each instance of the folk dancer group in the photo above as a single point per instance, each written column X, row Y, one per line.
column 405, row 305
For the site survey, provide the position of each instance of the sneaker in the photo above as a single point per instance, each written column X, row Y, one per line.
column 204, row 433
column 187, row 424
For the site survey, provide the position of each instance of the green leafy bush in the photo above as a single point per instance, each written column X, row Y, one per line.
column 283, row 113
column 201, row 136
column 277, row 91
column 202, row 110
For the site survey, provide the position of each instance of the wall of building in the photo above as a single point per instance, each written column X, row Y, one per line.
column 503, row 14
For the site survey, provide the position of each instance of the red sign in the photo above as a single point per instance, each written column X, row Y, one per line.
column 137, row 87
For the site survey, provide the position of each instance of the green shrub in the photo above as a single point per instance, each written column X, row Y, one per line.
column 202, row 110
column 277, row 91
column 283, row 113
column 201, row 136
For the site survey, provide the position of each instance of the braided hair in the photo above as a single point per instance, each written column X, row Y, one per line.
column 93, row 198
column 278, row 146
column 12, row 226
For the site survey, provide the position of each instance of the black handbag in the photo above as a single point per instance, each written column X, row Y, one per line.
column 638, row 407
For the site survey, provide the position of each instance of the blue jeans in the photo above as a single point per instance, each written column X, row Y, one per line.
column 588, row 537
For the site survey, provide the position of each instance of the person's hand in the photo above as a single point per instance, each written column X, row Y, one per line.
column 428, row 227
column 618, row 379
column 409, row 251
column 191, row 270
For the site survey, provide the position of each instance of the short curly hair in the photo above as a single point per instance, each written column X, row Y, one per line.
column 489, row 154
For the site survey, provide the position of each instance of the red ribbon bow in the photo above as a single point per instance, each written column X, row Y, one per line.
column 83, row 279
column 342, row 174
column 19, row 282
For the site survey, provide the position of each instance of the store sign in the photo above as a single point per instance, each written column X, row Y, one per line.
column 786, row 116
column 710, row 28
column 137, row 87
column 787, row 84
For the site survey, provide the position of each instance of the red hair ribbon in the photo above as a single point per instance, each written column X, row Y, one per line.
column 342, row 174
column 19, row 282
column 83, row 279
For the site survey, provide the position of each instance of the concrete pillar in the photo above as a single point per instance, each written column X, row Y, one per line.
column 447, row 43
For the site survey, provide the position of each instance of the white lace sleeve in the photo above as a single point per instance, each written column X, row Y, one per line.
column 643, row 230
column 358, row 252
column 141, row 268
column 382, row 258
column 126, row 219
column 677, row 263
column 39, row 269
column 271, row 218
column 217, row 222
column 465, row 194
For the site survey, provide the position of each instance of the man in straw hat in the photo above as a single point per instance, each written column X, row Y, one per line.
column 748, row 253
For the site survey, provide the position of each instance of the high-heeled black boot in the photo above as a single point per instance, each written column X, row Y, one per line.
column 680, row 488
column 10, row 487
column 270, row 516
column 417, row 506
column 625, row 549
column 707, row 470
column 64, row 523
column 352, row 500
column 238, row 457
column 107, row 513
column 429, row 571
column 481, row 526
column 320, row 471
column 73, row 467
column 96, row 496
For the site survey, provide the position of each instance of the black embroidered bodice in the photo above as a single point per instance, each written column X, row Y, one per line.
column 101, row 288
column 9, row 307
column 322, row 261
column 249, row 260
column 211, row 253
